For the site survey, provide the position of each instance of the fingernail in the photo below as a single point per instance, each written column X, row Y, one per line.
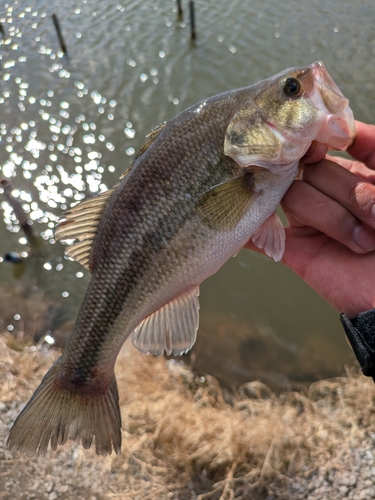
column 364, row 238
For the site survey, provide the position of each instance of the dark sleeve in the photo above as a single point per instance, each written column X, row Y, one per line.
column 361, row 335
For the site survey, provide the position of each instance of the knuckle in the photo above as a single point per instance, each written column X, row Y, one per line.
column 341, row 224
column 342, row 220
column 362, row 198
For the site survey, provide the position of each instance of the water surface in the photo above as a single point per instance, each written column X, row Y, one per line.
column 69, row 128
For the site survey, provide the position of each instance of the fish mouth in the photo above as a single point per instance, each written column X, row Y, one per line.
column 335, row 98
column 338, row 132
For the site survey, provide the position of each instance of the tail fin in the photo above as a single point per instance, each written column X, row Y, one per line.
column 56, row 413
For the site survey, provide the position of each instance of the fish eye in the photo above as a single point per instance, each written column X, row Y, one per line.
column 292, row 86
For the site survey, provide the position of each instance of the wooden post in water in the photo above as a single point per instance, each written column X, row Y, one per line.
column 179, row 10
column 59, row 34
column 2, row 31
column 36, row 242
column 192, row 20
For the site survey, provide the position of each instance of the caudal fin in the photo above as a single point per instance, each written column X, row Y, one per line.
column 56, row 413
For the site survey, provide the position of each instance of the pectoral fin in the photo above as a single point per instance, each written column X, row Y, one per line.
column 224, row 205
column 172, row 328
column 271, row 237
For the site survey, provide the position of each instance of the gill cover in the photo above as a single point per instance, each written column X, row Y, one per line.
column 249, row 136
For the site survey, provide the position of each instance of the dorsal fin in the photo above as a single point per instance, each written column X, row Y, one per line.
column 151, row 137
column 80, row 223
column 126, row 171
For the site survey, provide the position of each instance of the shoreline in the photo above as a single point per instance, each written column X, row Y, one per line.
column 183, row 438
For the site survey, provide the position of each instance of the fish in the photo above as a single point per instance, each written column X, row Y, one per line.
column 202, row 185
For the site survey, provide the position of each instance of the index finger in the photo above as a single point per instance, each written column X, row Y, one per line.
column 363, row 148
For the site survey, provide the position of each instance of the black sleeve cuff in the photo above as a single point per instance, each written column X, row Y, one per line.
column 361, row 335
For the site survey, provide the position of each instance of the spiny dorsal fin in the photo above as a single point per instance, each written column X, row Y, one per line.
column 81, row 223
column 172, row 328
column 126, row 171
column 224, row 205
column 151, row 137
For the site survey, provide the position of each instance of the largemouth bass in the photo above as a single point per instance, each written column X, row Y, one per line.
column 203, row 184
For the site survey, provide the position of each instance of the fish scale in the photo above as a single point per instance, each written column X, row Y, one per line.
column 203, row 184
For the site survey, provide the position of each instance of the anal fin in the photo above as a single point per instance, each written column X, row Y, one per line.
column 172, row 328
column 271, row 237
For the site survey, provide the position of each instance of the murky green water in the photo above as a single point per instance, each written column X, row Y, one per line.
column 69, row 128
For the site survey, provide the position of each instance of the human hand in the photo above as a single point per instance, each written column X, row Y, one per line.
column 330, row 240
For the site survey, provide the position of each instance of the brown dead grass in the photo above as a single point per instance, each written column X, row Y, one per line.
column 183, row 439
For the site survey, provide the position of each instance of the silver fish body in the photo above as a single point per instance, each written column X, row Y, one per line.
column 204, row 184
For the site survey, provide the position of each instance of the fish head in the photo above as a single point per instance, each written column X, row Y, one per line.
column 276, row 125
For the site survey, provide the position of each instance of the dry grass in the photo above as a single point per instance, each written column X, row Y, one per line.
column 182, row 439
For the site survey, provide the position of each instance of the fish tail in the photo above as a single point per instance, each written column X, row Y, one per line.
column 58, row 411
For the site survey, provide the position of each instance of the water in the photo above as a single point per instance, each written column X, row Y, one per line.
column 69, row 128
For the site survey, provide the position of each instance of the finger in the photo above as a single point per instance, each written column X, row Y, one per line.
column 315, row 153
column 355, row 167
column 306, row 206
column 341, row 277
column 353, row 192
column 363, row 148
